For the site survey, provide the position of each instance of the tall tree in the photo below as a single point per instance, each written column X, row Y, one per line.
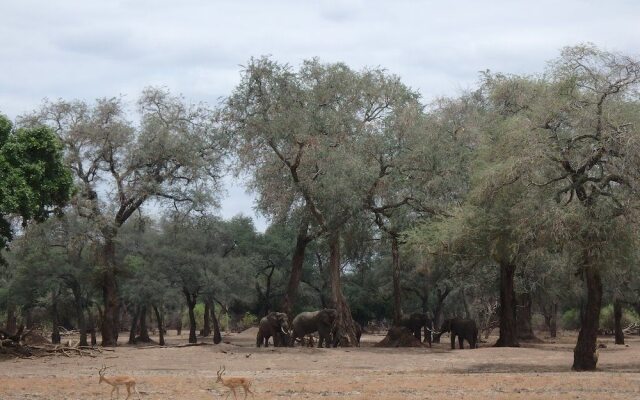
column 299, row 132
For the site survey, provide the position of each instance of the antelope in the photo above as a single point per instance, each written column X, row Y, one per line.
column 234, row 382
column 117, row 381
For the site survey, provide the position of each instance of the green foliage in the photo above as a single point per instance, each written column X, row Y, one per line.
column 571, row 319
column 33, row 177
column 607, row 322
column 248, row 320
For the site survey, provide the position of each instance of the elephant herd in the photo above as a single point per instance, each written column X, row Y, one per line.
column 463, row 329
column 276, row 325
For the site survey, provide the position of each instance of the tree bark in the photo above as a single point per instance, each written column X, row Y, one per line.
column 346, row 329
column 28, row 318
column 550, row 319
column 206, row 329
column 134, row 326
column 508, row 332
column 437, row 314
column 395, row 273
column 160, row 324
column 585, row 357
column 92, row 328
column 110, row 322
column 523, row 317
column 467, row 312
column 297, row 262
column 79, row 303
column 179, row 323
column 55, row 319
column 217, row 337
column 617, row 318
column 144, row 331
column 12, row 321
column 191, row 304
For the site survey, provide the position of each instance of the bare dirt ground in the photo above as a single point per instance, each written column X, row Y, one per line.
column 540, row 371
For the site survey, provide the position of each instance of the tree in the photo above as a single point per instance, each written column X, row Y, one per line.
column 576, row 131
column 173, row 156
column 586, row 119
column 299, row 133
column 34, row 180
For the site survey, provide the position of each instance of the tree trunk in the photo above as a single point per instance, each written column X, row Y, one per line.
column 134, row 326
column 437, row 314
column 617, row 318
column 206, row 329
column 191, row 304
column 55, row 319
column 550, row 319
column 79, row 303
column 346, row 329
column 523, row 317
column 28, row 319
column 12, row 321
column 92, row 329
column 467, row 312
column 217, row 337
column 144, row 331
column 160, row 325
column 395, row 273
column 585, row 357
column 179, row 323
column 110, row 322
column 297, row 262
column 508, row 332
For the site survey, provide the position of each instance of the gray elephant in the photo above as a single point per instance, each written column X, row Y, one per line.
column 415, row 322
column 276, row 325
column 464, row 329
column 309, row 322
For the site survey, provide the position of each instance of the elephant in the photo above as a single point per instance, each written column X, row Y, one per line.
column 276, row 325
column 336, row 338
column 415, row 322
column 464, row 329
column 309, row 322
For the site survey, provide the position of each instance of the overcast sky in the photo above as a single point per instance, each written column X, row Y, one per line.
column 89, row 49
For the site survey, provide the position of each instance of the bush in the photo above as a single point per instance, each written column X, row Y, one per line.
column 571, row 319
column 607, row 323
column 248, row 320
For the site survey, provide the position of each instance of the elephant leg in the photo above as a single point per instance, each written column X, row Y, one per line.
column 461, row 341
column 453, row 341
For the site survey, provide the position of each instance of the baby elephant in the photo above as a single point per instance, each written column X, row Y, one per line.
column 464, row 329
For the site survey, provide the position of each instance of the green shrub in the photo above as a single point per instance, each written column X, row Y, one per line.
column 248, row 320
column 571, row 319
column 607, row 322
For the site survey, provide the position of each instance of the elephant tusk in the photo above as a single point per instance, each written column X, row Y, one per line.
column 283, row 331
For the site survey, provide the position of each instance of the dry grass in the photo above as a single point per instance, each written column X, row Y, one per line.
column 540, row 371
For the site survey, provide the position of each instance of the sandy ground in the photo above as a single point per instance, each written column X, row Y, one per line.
column 540, row 371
